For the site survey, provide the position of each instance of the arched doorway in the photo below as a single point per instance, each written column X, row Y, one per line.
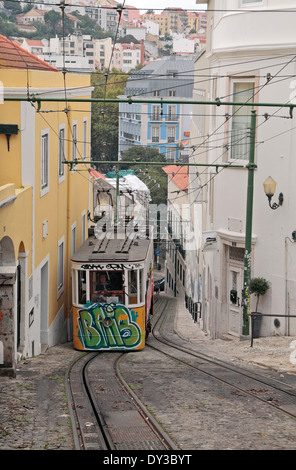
column 7, row 306
column 20, row 296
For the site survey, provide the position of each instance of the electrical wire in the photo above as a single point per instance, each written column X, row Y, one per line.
column 110, row 62
column 224, row 10
column 220, row 156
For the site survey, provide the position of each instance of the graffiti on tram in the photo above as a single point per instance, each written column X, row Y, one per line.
column 105, row 326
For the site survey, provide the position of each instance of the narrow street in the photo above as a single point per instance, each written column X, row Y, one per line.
column 197, row 412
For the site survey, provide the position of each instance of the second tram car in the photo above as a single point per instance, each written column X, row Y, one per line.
column 112, row 284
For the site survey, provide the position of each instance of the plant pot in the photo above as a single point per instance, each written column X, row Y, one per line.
column 256, row 324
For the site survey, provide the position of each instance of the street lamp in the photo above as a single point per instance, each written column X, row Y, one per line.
column 269, row 189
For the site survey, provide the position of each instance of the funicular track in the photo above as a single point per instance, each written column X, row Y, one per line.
column 258, row 385
column 105, row 413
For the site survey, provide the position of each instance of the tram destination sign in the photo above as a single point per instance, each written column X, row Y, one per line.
column 111, row 266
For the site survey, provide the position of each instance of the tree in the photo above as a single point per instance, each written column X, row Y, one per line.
column 53, row 19
column 91, row 27
column 7, row 29
column 13, row 7
column 258, row 286
column 128, row 39
column 104, row 131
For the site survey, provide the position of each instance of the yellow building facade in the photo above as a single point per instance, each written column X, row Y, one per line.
column 162, row 20
column 44, row 203
column 192, row 20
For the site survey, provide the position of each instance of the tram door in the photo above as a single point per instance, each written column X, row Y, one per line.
column 235, row 286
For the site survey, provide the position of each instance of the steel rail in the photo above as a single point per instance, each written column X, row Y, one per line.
column 272, row 383
column 90, row 430
column 165, row 439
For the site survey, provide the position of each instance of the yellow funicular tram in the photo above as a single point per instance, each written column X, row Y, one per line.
column 112, row 287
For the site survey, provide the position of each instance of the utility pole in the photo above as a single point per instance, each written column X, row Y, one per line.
column 248, row 234
column 116, row 198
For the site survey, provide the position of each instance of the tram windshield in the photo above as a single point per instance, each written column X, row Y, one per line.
column 106, row 286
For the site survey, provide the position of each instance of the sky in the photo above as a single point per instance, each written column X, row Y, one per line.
column 162, row 4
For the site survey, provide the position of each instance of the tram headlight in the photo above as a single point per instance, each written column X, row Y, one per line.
column 107, row 321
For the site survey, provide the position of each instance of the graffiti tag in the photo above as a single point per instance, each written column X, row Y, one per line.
column 108, row 326
column 113, row 267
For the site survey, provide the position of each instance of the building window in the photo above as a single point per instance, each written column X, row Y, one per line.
column 156, row 112
column 244, row 2
column 61, row 266
column 83, row 227
column 171, row 133
column 73, row 239
column 170, row 154
column 84, row 138
column 74, row 144
column 171, row 113
column 241, row 120
column 61, row 153
column 44, row 162
column 155, row 134
column 74, row 141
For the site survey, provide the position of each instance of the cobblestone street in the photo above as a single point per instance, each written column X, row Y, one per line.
column 34, row 413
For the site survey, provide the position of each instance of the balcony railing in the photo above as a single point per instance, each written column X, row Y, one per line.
column 171, row 117
column 156, row 117
column 128, row 136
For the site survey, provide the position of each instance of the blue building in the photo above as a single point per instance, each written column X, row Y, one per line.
column 166, row 126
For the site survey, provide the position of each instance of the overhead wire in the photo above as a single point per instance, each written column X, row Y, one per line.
column 110, row 61
column 196, row 73
column 220, row 156
column 225, row 10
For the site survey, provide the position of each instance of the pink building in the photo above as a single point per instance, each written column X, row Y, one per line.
column 133, row 14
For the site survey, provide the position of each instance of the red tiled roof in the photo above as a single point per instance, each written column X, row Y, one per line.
column 13, row 56
column 35, row 42
column 26, row 27
column 73, row 17
column 96, row 174
column 178, row 174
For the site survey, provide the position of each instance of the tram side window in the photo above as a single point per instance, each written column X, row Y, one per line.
column 132, row 287
column 81, row 287
column 141, row 285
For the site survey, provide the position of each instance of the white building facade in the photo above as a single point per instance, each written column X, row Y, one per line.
column 247, row 63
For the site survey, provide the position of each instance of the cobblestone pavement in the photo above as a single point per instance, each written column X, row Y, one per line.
column 200, row 413
column 34, row 413
column 33, row 406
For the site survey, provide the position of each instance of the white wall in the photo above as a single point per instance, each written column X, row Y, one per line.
column 242, row 47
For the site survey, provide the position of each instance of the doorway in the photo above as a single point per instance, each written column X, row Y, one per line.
column 235, row 279
column 44, row 304
column 18, row 304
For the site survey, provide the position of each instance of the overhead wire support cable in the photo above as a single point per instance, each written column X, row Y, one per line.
column 131, row 100
column 135, row 162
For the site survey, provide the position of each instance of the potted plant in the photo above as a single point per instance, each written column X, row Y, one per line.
column 258, row 286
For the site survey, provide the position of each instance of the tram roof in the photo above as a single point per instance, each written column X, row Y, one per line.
column 129, row 249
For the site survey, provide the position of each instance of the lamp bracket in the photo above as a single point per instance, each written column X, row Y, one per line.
column 275, row 205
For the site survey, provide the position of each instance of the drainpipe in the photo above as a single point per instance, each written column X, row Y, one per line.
column 67, row 254
column 287, row 303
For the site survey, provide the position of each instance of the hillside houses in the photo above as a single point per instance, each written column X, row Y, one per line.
column 157, row 35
